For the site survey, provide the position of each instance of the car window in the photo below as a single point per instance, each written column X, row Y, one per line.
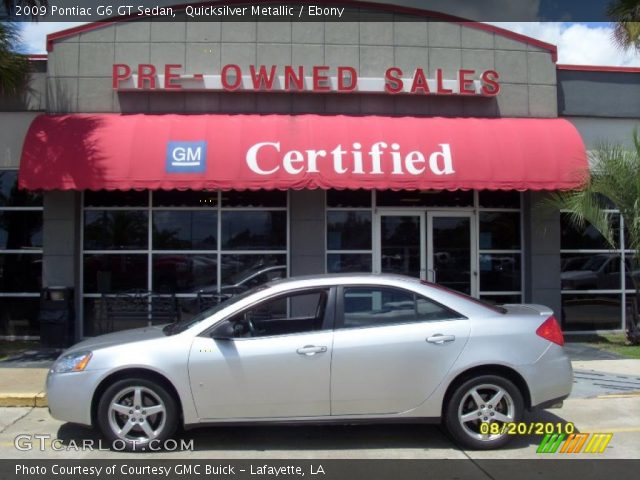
column 297, row 312
column 377, row 306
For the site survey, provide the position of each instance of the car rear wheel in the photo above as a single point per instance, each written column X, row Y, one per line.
column 478, row 410
column 135, row 414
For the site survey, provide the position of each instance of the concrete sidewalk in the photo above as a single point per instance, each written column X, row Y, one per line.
column 25, row 387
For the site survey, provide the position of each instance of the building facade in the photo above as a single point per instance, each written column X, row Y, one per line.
column 106, row 92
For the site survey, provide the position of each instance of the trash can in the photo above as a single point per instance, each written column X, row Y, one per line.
column 56, row 317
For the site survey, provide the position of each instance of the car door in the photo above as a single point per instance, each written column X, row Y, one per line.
column 271, row 360
column 391, row 349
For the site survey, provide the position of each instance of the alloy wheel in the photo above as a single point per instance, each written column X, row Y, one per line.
column 485, row 403
column 137, row 414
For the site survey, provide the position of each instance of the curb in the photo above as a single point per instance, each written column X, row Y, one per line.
column 23, row 400
column 633, row 394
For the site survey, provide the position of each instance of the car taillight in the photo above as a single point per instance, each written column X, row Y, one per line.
column 550, row 330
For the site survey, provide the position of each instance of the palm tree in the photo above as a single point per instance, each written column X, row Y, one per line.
column 14, row 67
column 615, row 179
column 626, row 15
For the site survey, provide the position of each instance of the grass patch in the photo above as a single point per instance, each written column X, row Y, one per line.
column 9, row 347
column 611, row 342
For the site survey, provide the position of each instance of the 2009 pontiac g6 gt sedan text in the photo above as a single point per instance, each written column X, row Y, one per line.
column 329, row 348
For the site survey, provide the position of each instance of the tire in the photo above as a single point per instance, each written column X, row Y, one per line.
column 466, row 430
column 133, row 429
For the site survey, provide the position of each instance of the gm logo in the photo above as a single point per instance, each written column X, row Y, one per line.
column 186, row 157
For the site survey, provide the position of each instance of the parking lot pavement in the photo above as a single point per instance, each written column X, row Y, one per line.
column 620, row 416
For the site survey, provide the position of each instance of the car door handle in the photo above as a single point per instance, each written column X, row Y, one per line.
column 439, row 339
column 309, row 350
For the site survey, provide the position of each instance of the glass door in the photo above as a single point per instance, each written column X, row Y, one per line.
column 451, row 247
column 401, row 243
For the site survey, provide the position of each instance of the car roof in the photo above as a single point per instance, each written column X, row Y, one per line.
column 349, row 278
column 457, row 301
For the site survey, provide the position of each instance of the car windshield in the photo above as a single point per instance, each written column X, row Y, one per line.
column 179, row 327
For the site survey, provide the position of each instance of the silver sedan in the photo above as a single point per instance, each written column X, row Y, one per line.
column 328, row 348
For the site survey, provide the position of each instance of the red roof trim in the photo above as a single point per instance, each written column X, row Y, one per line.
column 37, row 57
column 598, row 68
column 357, row 3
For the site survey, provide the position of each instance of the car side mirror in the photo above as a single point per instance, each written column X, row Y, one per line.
column 227, row 331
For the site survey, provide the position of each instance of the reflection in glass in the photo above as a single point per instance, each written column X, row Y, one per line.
column 20, row 272
column 349, row 262
column 573, row 238
column 179, row 273
column 374, row 307
column 97, row 322
column 500, row 272
column 241, row 272
column 452, row 252
column 348, row 230
column 20, row 230
column 500, row 230
column 424, row 198
column 254, row 230
column 257, row 198
column 19, row 316
column 591, row 312
column 499, row 199
column 116, row 198
column 599, row 271
column 501, row 299
column 400, row 244
column 188, row 198
column 115, row 230
column 349, row 198
column 182, row 229
column 111, row 273
column 12, row 196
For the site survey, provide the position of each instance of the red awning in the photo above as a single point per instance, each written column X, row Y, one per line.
column 111, row 151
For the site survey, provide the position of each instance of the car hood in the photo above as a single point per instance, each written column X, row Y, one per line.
column 118, row 338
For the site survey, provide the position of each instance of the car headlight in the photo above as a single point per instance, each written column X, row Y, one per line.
column 73, row 362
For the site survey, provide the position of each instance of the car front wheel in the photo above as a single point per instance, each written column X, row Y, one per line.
column 137, row 414
column 479, row 409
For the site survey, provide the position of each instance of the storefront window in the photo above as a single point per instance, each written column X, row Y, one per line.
column 115, row 230
column 500, row 272
column 594, row 311
column 116, row 198
column 184, row 243
column 185, row 230
column 499, row 230
column 349, row 220
column 594, row 278
column 254, row 198
column 20, row 230
column 499, row 199
column 500, row 246
column 181, row 273
column 424, row 198
column 348, row 262
column 20, row 258
column 349, row 198
column 349, row 230
column 111, row 273
column 254, row 230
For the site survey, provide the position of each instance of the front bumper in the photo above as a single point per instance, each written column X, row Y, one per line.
column 69, row 395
